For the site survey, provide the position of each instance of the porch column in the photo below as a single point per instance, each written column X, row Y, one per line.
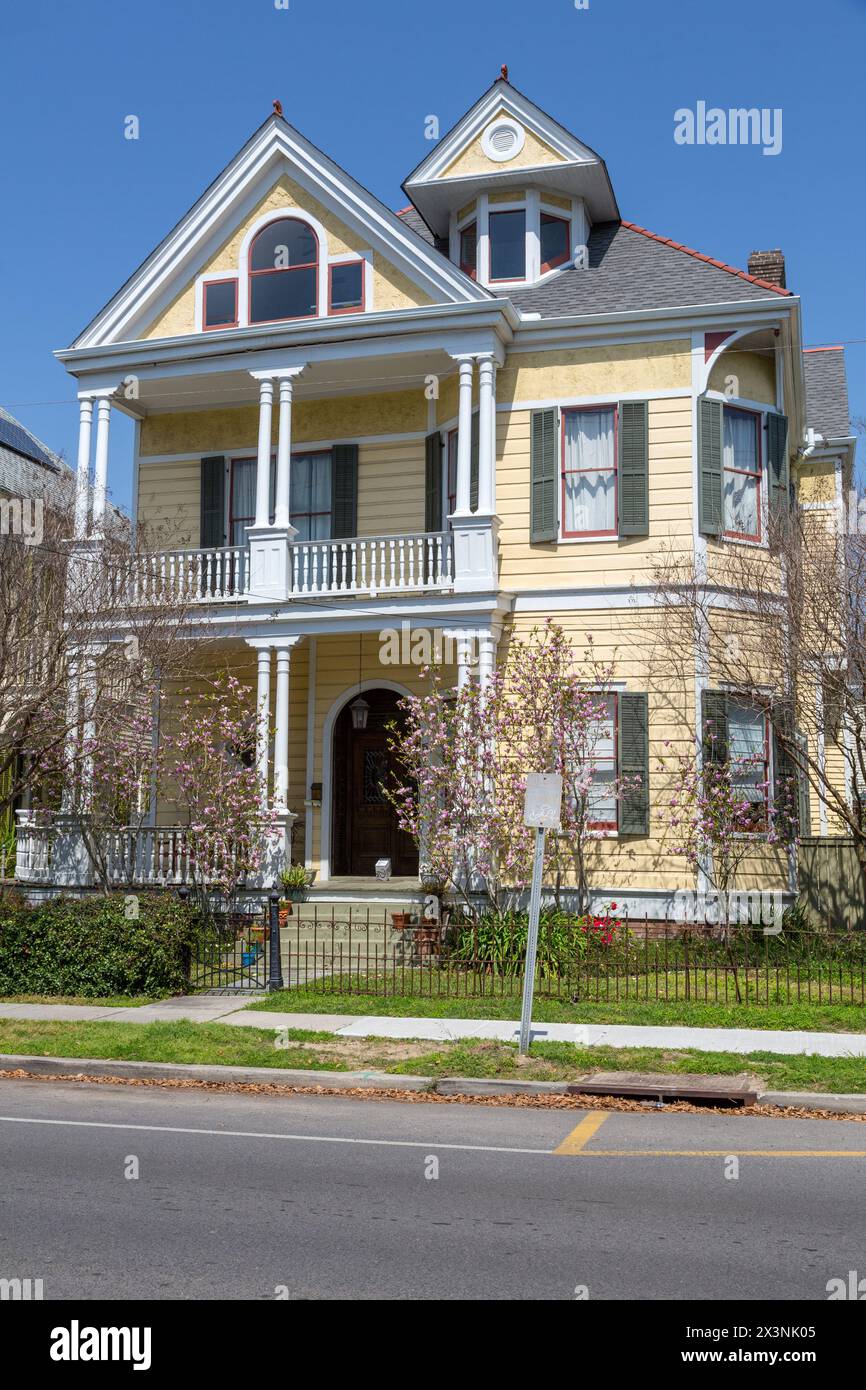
column 464, row 437
column 263, row 722
column 464, row 658
column 487, row 643
column 281, row 735
column 82, row 477
column 263, row 465
column 283, row 508
column 100, row 469
column 70, row 742
column 486, row 435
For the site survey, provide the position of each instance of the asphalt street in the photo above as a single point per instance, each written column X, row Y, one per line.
column 139, row 1193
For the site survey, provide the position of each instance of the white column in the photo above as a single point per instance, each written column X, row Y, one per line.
column 486, row 656
column 263, row 720
column 70, row 742
column 282, row 514
column 464, row 437
column 486, row 442
column 82, row 477
column 100, row 468
column 281, row 736
column 464, row 658
column 263, row 467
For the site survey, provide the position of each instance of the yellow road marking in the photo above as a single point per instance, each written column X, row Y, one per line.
column 581, row 1134
column 566, row 1148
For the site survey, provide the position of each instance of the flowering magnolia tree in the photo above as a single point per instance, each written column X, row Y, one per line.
column 208, row 756
column 465, row 756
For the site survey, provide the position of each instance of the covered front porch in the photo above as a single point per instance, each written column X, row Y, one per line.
column 325, row 688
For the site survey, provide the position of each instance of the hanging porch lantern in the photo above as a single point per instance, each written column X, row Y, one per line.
column 360, row 709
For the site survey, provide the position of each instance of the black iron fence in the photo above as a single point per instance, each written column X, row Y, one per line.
column 230, row 953
column 346, row 951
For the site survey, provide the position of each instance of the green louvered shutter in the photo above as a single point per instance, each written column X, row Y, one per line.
column 473, row 466
column 710, row 465
column 634, row 468
column 433, row 482
column 777, row 459
column 344, row 504
column 633, row 761
column 787, row 793
column 543, row 473
column 804, row 809
column 344, row 493
column 714, row 726
column 212, row 530
column 833, row 701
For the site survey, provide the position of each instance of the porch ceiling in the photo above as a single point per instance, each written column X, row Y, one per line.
column 320, row 379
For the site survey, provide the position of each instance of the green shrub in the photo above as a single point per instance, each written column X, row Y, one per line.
column 89, row 947
column 498, row 942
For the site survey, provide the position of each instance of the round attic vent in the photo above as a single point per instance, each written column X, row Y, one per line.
column 503, row 140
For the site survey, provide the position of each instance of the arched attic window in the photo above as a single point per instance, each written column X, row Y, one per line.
column 284, row 272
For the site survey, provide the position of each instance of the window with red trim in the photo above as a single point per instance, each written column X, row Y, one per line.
column 284, row 272
column 589, row 472
column 507, row 245
column 346, row 287
column 555, row 241
column 742, row 474
column 220, row 308
column 469, row 250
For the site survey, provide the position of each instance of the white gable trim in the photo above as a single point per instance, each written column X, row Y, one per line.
column 276, row 148
column 500, row 102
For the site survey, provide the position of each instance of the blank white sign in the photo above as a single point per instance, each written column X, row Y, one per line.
column 542, row 802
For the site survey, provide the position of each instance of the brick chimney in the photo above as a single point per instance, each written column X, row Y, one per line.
column 768, row 265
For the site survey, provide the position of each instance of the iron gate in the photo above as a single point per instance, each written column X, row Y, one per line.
column 230, row 954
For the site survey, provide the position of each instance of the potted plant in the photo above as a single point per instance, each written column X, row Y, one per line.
column 296, row 881
column 401, row 920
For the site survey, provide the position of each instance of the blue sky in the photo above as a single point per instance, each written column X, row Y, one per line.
column 82, row 206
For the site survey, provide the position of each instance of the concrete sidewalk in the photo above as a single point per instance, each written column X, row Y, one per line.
column 204, row 1008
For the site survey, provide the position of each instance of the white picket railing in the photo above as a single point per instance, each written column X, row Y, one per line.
column 373, row 564
column 192, row 576
column 159, row 855
column 423, row 561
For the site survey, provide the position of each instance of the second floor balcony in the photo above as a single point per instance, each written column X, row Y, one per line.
column 362, row 565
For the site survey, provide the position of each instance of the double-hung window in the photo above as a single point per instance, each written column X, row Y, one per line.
column 749, row 758
column 310, row 496
column 741, row 448
column 589, row 472
column 601, row 755
column 555, row 241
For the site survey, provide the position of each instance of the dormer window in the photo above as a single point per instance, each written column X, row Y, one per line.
column 284, row 272
column 555, row 241
column 508, row 245
column 469, row 250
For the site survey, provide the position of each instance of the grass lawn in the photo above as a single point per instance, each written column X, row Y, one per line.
column 830, row 1018
column 221, row 1044
column 114, row 1001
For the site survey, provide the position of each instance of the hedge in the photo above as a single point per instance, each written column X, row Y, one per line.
column 90, row 947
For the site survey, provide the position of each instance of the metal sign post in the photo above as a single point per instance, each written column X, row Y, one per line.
column 542, row 809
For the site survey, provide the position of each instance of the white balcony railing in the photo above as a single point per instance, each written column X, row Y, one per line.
column 192, row 576
column 420, row 562
column 372, row 564
column 147, row 856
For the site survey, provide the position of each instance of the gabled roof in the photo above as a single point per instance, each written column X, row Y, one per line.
column 826, row 392
column 576, row 170
column 275, row 148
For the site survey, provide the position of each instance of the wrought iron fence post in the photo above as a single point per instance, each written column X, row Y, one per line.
column 275, row 974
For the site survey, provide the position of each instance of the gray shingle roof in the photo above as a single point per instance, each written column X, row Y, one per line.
column 826, row 392
column 629, row 268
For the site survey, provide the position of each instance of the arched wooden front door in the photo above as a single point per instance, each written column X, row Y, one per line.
column 364, row 821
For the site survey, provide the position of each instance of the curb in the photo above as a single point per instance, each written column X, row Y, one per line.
column 846, row 1104
column 192, row 1071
